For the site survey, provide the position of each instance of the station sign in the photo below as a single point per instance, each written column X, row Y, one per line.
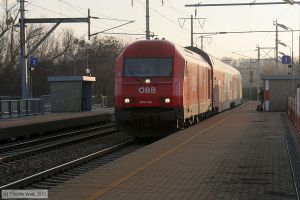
column 33, row 61
column 286, row 60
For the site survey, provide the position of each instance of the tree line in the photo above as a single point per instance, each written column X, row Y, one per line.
column 61, row 54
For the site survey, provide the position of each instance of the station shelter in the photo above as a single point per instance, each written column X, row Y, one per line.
column 277, row 89
column 71, row 93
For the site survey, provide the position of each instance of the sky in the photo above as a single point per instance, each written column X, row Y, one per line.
column 165, row 22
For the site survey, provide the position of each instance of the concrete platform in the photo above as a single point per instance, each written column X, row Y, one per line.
column 239, row 154
column 15, row 127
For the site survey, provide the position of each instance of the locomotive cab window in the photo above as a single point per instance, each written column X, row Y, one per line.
column 148, row 67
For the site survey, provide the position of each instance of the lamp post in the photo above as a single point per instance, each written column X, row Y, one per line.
column 292, row 61
column 289, row 66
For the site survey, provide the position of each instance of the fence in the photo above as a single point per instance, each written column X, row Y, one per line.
column 22, row 107
column 294, row 110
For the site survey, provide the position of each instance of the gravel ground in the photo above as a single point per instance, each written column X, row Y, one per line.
column 22, row 168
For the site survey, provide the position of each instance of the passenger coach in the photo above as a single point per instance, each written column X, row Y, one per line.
column 161, row 84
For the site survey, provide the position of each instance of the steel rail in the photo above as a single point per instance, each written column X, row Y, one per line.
column 49, row 138
column 62, row 168
column 67, row 141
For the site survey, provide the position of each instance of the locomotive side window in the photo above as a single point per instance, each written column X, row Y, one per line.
column 147, row 67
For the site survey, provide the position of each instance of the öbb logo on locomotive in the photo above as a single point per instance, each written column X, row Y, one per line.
column 147, row 90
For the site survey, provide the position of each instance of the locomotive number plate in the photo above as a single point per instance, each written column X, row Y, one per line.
column 146, row 102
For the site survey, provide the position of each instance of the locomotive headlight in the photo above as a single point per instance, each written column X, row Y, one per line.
column 127, row 100
column 167, row 100
column 147, row 81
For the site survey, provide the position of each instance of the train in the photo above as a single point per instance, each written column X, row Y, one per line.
column 161, row 84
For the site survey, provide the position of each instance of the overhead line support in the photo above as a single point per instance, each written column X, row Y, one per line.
column 192, row 26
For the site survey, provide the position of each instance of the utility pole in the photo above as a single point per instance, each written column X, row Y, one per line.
column 23, row 51
column 24, row 55
column 89, row 24
column 147, row 21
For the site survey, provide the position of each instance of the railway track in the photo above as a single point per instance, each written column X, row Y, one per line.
column 20, row 150
column 45, row 138
column 293, row 151
column 64, row 172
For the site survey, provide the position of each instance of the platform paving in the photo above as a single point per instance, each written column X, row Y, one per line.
column 22, row 126
column 239, row 154
column 20, row 121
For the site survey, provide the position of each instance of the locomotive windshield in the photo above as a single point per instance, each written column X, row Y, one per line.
column 148, row 67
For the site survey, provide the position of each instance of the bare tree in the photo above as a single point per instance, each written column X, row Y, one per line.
column 8, row 48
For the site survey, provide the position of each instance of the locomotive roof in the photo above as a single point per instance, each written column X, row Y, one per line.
column 213, row 62
column 202, row 53
column 141, row 47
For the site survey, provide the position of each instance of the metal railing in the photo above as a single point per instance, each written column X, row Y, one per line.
column 294, row 110
column 20, row 108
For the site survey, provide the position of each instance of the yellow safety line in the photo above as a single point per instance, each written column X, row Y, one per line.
column 119, row 181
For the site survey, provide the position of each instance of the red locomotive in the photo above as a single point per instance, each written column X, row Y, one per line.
column 161, row 84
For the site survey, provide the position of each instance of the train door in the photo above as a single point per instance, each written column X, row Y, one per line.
column 198, row 90
column 234, row 89
column 221, row 94
column 187, row 74
column 186, row 90
column 227, row 91
column 216, row 91
column 203, row 89
column 209, row 85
